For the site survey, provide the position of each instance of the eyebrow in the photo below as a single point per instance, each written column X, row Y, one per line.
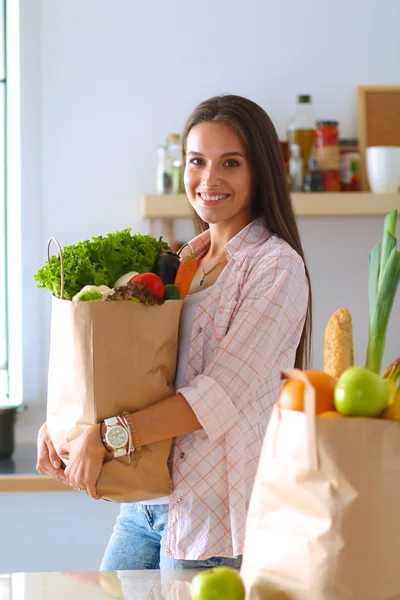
column 234, row 153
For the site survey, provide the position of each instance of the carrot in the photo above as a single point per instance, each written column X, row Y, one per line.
column 185, row 274
column 338, row 343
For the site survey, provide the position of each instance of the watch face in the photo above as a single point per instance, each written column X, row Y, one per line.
column 116, row 436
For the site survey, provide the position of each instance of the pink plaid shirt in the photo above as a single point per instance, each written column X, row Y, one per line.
column 246, row 330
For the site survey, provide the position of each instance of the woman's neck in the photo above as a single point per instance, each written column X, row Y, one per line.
column 220, row 235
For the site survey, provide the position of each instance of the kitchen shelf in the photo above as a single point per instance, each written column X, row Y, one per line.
column 318, row 204
column 329, row 204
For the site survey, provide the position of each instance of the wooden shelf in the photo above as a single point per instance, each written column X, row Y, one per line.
column 345, row 204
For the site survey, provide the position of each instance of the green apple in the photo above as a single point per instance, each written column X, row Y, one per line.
column 361, row 393
column 218, row 583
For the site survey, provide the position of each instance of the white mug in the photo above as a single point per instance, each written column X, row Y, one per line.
column 383, row 168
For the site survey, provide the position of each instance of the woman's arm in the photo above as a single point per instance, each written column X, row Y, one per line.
column 164, row 420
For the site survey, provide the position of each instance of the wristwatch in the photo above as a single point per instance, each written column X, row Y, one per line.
column 116, row 436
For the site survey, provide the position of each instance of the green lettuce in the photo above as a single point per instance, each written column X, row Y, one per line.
column 99, row 261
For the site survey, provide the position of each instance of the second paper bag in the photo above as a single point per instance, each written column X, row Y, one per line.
column 324, row 516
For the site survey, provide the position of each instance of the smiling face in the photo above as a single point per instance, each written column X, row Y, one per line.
column 218, row 175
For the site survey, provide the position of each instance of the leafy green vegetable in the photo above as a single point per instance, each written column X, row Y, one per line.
column 99, row 261
column 383, row 280
column 138, row 292
column 88, row 295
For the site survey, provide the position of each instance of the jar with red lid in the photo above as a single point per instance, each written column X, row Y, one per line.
column 327, row 154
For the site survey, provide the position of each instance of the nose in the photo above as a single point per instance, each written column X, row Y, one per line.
column 211, row 177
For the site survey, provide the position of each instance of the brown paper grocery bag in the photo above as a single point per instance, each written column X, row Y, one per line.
column 324, row 516
column 106, row 357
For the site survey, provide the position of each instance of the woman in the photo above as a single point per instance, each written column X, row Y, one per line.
column 247, row 316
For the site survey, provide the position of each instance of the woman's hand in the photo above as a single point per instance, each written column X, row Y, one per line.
column 86, row 456
column 48, row 461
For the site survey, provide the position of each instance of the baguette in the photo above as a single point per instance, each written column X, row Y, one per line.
column 338, row 343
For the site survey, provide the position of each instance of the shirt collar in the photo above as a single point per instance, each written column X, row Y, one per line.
column 237, row 248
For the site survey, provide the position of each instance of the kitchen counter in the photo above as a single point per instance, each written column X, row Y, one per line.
column 18, row 474
column 119, row 585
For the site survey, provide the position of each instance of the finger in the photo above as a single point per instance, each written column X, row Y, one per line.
column 78, row 487
column 48, row 470
column 92, row 491
column 53, row 456
column 72, row 478
column 43, row 464
column 51, row 450
column 63, row 448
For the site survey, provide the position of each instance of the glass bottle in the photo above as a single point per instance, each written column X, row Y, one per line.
column 175, row 157
column 164, row 180
column 313, row 179
column 295, row 169
column 301, row 129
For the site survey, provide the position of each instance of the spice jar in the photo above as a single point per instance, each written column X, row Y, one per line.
column 349, row 165
column 327, row 154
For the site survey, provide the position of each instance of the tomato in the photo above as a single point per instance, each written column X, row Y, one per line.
column 152, row 281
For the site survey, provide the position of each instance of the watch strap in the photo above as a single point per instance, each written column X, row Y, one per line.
column 103, row 439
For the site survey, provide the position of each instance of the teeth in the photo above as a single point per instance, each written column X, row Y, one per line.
column 213, row 197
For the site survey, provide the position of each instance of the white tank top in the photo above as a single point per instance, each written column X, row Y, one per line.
column 188, row 313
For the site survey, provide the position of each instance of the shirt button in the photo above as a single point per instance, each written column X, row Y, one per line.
column 200, row 329
column 195, row 373
column 182, row 455
column 180, row 499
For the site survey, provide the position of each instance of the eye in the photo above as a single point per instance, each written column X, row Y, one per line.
column 232, row 163
column 196, row 161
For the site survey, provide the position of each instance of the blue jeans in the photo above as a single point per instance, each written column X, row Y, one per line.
column 138, row 542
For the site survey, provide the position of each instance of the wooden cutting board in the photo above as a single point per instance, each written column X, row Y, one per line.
column 378, row 120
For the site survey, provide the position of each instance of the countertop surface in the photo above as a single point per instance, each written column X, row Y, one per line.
column 18, row 473
column 119, row 585
column 22, row 462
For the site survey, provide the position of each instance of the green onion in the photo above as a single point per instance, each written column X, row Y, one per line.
column 383, row 280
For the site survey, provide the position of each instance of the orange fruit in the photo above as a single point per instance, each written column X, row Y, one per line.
column 291, row 396
column 330, row 413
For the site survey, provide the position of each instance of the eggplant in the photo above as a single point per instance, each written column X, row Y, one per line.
column 166, row 265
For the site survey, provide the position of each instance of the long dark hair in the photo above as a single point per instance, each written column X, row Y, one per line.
column 272, row 196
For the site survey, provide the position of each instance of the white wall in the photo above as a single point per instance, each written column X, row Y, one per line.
column 102, row 84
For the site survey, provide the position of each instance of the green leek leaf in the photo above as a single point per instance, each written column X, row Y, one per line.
column 389, row 236
column 379, row 319
column 373, row 277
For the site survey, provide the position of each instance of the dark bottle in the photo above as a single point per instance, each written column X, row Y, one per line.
column 313, row 179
